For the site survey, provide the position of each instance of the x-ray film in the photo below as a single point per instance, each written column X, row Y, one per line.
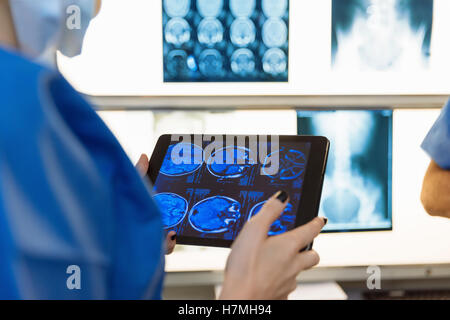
column 225, row 40
column 204, row 197
column 381, row 35
column 356, row 194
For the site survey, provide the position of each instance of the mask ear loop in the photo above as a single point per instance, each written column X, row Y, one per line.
column 50, row 56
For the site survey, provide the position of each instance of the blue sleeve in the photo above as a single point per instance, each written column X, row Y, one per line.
column 437, row 141
column 69, row 196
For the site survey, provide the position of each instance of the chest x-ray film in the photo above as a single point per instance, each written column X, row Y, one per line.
column 214, row 196
column 356, row 193
column 381, row 35
column 225, row 40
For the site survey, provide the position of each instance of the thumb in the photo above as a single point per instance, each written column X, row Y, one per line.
column 142, row 165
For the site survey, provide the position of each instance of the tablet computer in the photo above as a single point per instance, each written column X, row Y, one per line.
column 208, row 186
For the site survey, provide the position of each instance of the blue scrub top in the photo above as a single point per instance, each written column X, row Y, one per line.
column 69, row 196
column 437, row 141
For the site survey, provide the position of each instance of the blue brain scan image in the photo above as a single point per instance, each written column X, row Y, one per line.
column 242, row 32
column 274, row 8
column 225, row 40
column 177, row 31
column 356, row 193
column 241, row 8
column 242, row 62
column 284, row 223
column 214, row 215
column 274, row 61
column 173, row 206
column 230, row 162
column 176, row 62
column 291, row 164
column 210, row 32
column 182, row 159
column 211, row 63
column 381, row 35
column 211, row 191
column 209, row 8
column 274, row 32
column 176, row 8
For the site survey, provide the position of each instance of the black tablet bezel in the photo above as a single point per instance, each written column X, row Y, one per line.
column 312, row 186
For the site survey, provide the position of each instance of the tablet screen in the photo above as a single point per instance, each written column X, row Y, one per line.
column 210, row 190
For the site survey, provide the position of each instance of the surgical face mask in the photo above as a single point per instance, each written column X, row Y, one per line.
column 45, row 26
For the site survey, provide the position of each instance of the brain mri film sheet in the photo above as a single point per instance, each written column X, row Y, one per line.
column 212, row 196
column 225, row 40
column 356, row 194
column 381, row 35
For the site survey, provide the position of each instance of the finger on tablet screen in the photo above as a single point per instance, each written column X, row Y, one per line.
column 142, row 165
column 271, row 210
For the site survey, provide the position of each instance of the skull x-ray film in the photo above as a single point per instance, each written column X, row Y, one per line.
column 356, row 194
column 225, row 40
column 211, row 195
column 381, row 35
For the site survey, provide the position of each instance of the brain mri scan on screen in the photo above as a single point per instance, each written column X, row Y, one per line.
column 225, row 40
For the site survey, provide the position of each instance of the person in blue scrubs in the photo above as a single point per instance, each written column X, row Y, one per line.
column 77, row 220
column 435, row 194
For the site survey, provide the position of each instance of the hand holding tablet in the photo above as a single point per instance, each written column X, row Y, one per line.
column 262, row 267
column 224, row 196
column 208, row 187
